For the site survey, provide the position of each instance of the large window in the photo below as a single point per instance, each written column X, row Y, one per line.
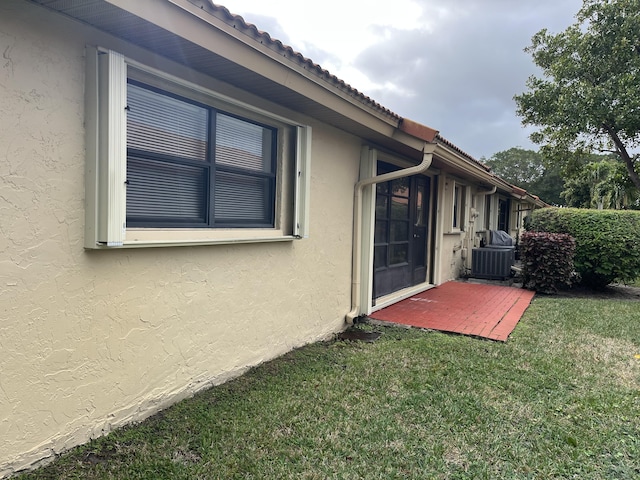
column 171, row 162
column 190, row 164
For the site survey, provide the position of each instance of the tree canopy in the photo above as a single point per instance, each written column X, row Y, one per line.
column 589, row 97
column 517, row 166
column 602, row 182
column 527, row 169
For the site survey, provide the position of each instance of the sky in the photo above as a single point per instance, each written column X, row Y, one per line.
column 453, row 65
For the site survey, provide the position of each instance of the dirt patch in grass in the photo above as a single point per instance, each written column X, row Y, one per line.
column 614, row 355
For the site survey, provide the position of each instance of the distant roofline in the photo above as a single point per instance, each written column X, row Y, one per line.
column 446, row 142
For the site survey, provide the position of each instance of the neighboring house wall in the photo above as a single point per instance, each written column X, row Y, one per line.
column 94, row 339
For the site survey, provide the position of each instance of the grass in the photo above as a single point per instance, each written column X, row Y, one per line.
column 561, row 399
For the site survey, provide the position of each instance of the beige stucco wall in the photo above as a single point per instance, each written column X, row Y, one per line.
column 451, row 241
column 94, row 339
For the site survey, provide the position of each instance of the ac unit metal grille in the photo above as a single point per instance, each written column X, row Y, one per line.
column 492, row 263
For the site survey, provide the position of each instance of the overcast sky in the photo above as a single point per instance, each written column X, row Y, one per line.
column 453, row 65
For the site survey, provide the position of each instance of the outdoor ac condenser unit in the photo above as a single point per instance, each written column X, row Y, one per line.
column 492, row 263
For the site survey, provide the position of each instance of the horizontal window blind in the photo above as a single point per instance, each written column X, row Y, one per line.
column 243, row 198
column 167, row 141
column 167, row 192
column 164, row 125
column 242, row 144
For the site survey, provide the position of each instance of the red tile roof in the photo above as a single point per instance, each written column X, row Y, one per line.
column 417, row 130
column 462, row 152
column 239, row 23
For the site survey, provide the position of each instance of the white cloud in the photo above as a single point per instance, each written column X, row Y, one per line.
column 345, row 28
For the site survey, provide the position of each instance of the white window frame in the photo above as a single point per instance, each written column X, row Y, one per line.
column 509, row 208
column 488, row 209
column 458, row 206
column 105, row 180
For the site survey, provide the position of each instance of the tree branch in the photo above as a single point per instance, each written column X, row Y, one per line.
column 624, row 154
column 601, row 150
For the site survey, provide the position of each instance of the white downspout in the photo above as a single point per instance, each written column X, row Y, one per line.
column 470, row 238
column 427, row 157
column 486, row 192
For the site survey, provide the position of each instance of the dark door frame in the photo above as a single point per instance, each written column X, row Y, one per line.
column 403, row 239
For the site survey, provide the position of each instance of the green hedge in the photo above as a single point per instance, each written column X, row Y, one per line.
column 547, row 260
column 607, row 241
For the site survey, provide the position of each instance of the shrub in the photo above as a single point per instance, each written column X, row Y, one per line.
column 607, row 241
column 547, row 260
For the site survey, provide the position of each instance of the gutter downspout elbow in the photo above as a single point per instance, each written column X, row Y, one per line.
column 427, row 158
column 487, row 192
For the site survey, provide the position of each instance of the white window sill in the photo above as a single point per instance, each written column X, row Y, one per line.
column 137, row 238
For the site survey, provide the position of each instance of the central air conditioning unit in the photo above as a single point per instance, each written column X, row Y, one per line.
column 494, row 258
column 492, row 263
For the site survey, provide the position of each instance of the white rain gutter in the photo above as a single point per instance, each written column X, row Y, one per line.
column 356, row 274
column 487, row 192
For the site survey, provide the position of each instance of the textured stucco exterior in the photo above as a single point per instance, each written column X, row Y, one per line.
column 94, row 339
column 451, row 240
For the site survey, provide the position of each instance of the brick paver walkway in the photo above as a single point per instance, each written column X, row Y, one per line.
column 481, row 310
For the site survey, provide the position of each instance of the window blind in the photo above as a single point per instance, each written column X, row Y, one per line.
column 165, row 192
column 240, row 197
column 242, row 144
column 165, row 125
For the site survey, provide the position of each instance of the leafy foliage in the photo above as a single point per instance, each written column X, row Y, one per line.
column 588, row 99
column 601, row 183
column 607, row 241
column 547, row 260
column 527, row 169
column 517, row 166
column 549, row 186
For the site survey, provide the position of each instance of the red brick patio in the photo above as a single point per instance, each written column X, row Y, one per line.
column 480, row 310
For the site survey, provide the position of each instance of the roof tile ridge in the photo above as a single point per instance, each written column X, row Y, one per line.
column 223, row 13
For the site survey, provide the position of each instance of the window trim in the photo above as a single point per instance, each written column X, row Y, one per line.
column 506, row 201
column 458, row 206
column 488, row 208
column 105, row 189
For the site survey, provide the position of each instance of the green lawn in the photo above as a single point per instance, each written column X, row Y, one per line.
column 561, row 399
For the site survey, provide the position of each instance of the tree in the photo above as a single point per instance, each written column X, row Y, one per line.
column 589, row 98
column 517, row 166
column 527, row 169
column 601, row 183
column 549, row 186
